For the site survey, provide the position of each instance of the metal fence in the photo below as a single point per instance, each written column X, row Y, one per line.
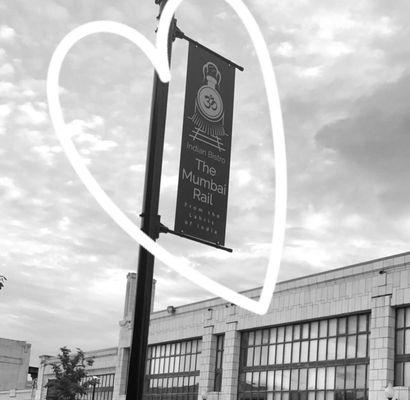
column 103, row 390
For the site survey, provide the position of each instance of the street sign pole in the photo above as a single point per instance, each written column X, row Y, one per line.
column 150, row 224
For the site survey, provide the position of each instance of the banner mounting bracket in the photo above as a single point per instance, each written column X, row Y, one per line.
column 165, row 229
column 181, row 35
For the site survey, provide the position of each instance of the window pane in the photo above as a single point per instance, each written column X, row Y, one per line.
column 332, row 327
column 218, row 360
column 281, row 334
column 342, row 325
column 279, row 354
column 331, row 349
column 295, row 352
column 278, row 380
column 340, row 377
column 352, row 323
column 350, row 372
column 320, row 379
column 350, row 395
column 398, row 374
column 285, row 379
column 270, row 379
column 312, row 379
column 351, row 346
column 330, row 378
column 399, row 342
column 314, row 327
column 305, row 331
column 407, row 318
column 265, row 336
column 304, row 351
column 400, row 318
column 272, row 354
column 258, row 337
column 249, row 357
column 255, row 380
column 322, row 350
column 264, row 355
column 288, row 333
column 341, row 347
column 407, row 342
column 313, row 350
column 251, row 338
column 361, row 345
column 406, row 381
column 262, row 380
column 302, row 379
column 257, row 356
column 296, row 332
column 360, row 376
column 360, row 395
column 323, row 328
column 287, row 355
column 294, row 379
column 273, row 335
column 363, row 323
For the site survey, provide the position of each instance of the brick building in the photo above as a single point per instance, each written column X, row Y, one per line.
column 343, row 334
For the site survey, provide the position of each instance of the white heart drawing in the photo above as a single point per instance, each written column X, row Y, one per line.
column 159, row 59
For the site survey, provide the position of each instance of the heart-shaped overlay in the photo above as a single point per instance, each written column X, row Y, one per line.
column 159, row 58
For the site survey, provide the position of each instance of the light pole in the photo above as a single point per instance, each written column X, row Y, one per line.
column 150, row 224
column 95, row 380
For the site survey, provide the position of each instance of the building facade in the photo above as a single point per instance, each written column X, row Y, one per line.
column 343, row 334
column 17, row 378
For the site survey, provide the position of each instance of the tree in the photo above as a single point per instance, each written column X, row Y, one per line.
column 70, row 374
column 2, row 279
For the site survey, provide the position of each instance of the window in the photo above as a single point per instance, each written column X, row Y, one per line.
column 218, row 364
column 317, row 360
column 173, row 370
column 402, row 364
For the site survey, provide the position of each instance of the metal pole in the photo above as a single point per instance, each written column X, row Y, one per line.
column 150, row 224
column 94, row 390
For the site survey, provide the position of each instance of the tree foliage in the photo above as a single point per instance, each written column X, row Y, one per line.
column 70, row 373
column 2, row 280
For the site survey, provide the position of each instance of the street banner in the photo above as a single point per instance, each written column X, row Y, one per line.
column 202, row 197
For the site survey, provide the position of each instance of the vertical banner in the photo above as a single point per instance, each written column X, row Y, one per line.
column 202, row 198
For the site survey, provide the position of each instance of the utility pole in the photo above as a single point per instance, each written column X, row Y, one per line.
column 150, row 224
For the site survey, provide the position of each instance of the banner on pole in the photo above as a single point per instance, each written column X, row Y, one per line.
column 202, row 198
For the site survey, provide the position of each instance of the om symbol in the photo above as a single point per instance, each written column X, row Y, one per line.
column 210, row 102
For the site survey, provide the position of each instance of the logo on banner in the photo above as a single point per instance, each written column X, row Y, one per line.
column 208, row 117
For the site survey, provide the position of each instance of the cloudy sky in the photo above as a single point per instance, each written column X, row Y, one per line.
column 343, row 74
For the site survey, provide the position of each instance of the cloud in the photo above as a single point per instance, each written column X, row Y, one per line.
column 374, row 140
column 7, row 33
column 341, row 71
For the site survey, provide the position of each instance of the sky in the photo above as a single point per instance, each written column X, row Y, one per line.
column 342, row 70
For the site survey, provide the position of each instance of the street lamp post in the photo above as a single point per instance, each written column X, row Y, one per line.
column 150, row 224
column 95, row 380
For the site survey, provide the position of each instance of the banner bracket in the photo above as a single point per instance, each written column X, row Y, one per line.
column 164, row 229
column 181, row 35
